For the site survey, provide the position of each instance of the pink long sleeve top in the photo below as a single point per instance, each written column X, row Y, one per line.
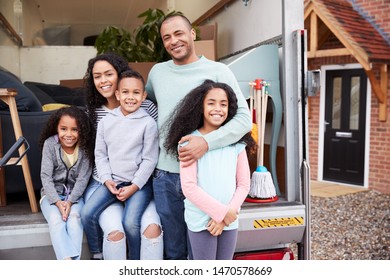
column 216, row 182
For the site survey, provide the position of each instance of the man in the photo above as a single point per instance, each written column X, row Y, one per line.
column 168, row 83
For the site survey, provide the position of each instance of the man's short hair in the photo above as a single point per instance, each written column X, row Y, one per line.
column 176, row 14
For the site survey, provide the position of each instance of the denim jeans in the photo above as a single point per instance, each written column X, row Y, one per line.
column 110, row 220
column 151, row 248
column 169, row 200
column 66, row 236
column 131, row 220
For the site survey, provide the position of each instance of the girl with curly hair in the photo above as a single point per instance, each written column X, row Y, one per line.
column 67, row 157
column 216, row 185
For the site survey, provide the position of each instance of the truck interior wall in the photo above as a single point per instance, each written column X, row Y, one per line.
column 9, row 50
column 241, row 26
column 10, row 58
column 51, row 64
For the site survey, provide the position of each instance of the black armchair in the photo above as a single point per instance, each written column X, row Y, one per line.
column 32, row 124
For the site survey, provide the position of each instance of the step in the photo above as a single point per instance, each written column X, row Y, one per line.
column 26, row 237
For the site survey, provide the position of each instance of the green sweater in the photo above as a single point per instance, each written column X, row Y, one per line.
column 168, row 83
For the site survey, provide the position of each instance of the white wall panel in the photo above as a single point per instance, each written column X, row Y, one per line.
column 50, row 64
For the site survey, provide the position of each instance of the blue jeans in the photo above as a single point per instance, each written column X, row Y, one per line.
column 66, row 237
column 110, row 220
column 169, row 200
column 151, row 248
column 134, row 208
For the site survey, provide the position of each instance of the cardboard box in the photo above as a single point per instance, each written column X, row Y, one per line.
column 207, row 45
column 142, row 67
column 206, row 48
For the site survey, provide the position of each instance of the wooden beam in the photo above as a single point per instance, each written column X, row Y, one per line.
column 8, row 96
column 330, row 52
column 3, row 196
column 313, row 32
column 212, row 11
column 384, row 84
column 375, row 85
column 308, row 10
column 10, row 31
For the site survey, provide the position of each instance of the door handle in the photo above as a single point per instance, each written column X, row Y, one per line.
column 344, row 134
column 325, row 124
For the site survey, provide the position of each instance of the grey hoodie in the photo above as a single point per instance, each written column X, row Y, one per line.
column 54, row 172
column 126, row 147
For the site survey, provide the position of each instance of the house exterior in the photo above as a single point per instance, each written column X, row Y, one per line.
column 349, row 125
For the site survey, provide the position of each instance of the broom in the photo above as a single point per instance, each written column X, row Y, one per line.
column 262, row 188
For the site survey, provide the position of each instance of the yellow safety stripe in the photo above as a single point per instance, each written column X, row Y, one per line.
column 278, row 222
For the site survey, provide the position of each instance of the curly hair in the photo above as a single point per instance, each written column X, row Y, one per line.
column 188, row 116
column 85, row 129
column 94, row 98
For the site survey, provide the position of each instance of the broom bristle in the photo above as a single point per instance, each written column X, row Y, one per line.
column 262, row 185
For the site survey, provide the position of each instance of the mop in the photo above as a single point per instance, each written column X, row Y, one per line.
column 262, row 188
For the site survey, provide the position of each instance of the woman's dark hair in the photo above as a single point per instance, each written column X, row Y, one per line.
column 188, row 116
column 85, row 129
column 94, row 98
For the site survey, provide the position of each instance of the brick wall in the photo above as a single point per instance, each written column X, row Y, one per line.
column 379, row 177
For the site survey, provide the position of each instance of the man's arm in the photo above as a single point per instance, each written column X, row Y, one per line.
column 194, row 150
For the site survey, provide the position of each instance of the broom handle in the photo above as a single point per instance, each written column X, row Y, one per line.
column 264, row 100
column 251, row 100
column 261, row 126
column 259, row 129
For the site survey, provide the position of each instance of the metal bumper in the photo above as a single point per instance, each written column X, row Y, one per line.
column 264, row 226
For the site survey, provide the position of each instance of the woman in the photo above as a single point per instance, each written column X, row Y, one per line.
column 101, row 82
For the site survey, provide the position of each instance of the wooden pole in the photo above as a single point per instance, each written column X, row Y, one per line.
column 8, row 96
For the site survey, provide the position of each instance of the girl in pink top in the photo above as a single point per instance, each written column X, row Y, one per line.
column 216, row 185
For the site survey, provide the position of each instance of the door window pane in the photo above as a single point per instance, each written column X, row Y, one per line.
column 336, row 105
column 355, row 103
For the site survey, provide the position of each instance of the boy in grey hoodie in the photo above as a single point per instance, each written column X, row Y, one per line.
column 126, row 155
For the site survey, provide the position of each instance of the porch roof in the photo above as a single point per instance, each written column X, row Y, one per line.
column 353, row 30
column 353, row 35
